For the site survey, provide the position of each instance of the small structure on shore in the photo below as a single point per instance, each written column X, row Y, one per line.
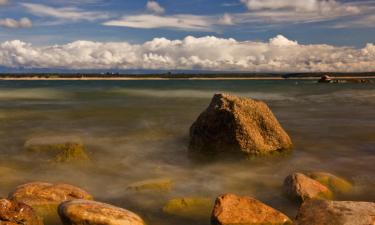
column 328, row 79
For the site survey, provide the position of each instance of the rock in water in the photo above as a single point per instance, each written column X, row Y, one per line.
column 301, row 187
column 83, row 212
column 61, row 149
column 237, row 125
column 190, row 208
column 159, row 185
column 15, row 213
column 230, row 209
column 333, row 182
column 321, row 212
column 45, row 197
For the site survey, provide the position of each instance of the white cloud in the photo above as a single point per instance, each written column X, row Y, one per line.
column 362, row 21
column 12, row 23
column 63, row 13
column 227, row 19
column 180, row 22
column 3, row 2
column 209, row 53
column 154, row 7
column 300, row 11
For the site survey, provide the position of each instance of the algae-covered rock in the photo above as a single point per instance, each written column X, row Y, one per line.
column 230, row 209
column 190, row 208
column 234, row 125
column 321, row 212
column 164, row 184
column 44, row 198
column 84, row 212
column 16, row 213
column 334, row 183
column 301, row 187
column 60, row 149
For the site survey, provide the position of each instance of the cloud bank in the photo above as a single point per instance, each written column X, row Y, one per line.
column 279, row 54
column 12, row 23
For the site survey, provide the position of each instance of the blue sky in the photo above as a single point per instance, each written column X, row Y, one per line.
column 55, row 29
column 41, row 23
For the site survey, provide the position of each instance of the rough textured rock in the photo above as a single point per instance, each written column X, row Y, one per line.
column 332, row 182
column 152, row 185
column 191, row 208
column 83, row 212
column 301, row 187
column 45, row 197
column 17, row 213
column 230, row 209
column 321, row 212
column 61, row 149
column 237, row 125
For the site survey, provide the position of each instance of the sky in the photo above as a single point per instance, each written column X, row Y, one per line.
column 225, row 35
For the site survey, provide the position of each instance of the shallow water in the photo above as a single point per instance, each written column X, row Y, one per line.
column 136, row 130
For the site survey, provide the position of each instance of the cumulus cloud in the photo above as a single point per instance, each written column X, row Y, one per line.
column 279, row 54
column 154, row 7
column 227, row 19
column 63, row 13
column 12, row 23
column 179, row 22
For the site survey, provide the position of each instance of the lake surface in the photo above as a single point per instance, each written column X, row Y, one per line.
column 137, row 130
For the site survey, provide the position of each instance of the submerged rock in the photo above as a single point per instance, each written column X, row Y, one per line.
column 321, row 212
column 237, row 125
column 301, row 187
column 152, row 185
column 61, row 149
column 190, row 208
column 15, row 213
column 84, row 212
column 334, row 183
column 45, row 197
column 230, row 209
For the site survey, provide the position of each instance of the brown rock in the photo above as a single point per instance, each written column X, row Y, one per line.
column 230, row 209
column 301, row 187
column 45, row 197
column 14, row 213
column 321, row 212
column 237, row 125
column 83, row 212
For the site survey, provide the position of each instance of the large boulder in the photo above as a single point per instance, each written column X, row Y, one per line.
column 301, row 187
column 190, row 208
column 84, row 212
column 59, row 148
column 237, row 125
column 230, row 209
column 334, row 183
column 44, row 198
column 15, row 213
column 321, row 212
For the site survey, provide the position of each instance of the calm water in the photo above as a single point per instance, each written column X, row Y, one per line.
column 136, row 130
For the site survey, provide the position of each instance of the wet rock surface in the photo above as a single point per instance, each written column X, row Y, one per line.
column 230, row 209
column 84, row 212
column 45, row 197
column 17, row 213
column 301, row 187
column 237, row 125
column 159, row 185
column 322, row 212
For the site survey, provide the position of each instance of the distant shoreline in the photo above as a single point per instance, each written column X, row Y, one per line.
column 182, row 78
